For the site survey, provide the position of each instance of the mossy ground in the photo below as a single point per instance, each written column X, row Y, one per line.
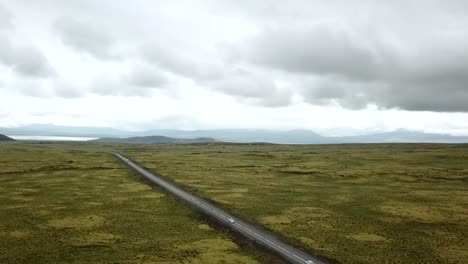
column 75, row 203
column 390, row 203
column 375, row 203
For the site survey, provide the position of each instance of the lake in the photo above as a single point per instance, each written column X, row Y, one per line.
column 50, row 138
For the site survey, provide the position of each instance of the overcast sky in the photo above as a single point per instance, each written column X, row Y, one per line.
column 337, row 67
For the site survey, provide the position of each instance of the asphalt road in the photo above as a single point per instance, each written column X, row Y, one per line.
column 262, row 238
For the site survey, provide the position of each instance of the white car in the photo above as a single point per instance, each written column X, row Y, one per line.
column 309, row 262
column 231, row 220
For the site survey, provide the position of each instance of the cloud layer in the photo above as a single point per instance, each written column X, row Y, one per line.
column 390, row 54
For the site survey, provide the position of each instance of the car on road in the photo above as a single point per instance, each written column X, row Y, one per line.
column 230, row 220
column 309, row 262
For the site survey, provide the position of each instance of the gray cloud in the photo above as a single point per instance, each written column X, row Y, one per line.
column 181, row 62
column 394, row 54
column 146, row 76
column 31, row 62
column 85, row 37
column 26, row 60
column 5, row 18
column 422, row 67
column 141, row 80
column 318, row 50
column 65, row 89
column 252, row 88
column 31, row 87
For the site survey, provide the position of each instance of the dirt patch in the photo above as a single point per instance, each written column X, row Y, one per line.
column 80, row 222
column 367, row 237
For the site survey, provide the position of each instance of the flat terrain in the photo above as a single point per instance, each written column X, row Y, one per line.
column 394, row 203
column 390, row 203
column 75, row 203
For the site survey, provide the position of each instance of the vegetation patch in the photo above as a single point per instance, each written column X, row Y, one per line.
column 96, row 211
column 411, row 200
column 95, row 239
column 20, row 234
column 307, row 212
column 204, row 227
column 276, row 220
column 134, row 187
column 153, row 195
column 454, row 253
column 366, row 237
column 221, row 251
column 415, row 212
column 79, row 222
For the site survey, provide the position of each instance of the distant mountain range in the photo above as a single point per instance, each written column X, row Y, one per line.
column 156, row 139
column 5, row 138
column 236, row 135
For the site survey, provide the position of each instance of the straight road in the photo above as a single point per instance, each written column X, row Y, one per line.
column 261, row 237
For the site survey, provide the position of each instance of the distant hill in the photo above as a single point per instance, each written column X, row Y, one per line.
column 5, row 138
column 232, row 135
column 404, row 136
column 156, row 140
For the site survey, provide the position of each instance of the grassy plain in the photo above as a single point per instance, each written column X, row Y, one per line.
column 389, row 203
column 74, row 203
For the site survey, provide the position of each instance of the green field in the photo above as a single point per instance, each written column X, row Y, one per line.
column 394, row 203
column 74, row 203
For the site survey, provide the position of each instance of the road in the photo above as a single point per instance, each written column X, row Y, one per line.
column 261, row 237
